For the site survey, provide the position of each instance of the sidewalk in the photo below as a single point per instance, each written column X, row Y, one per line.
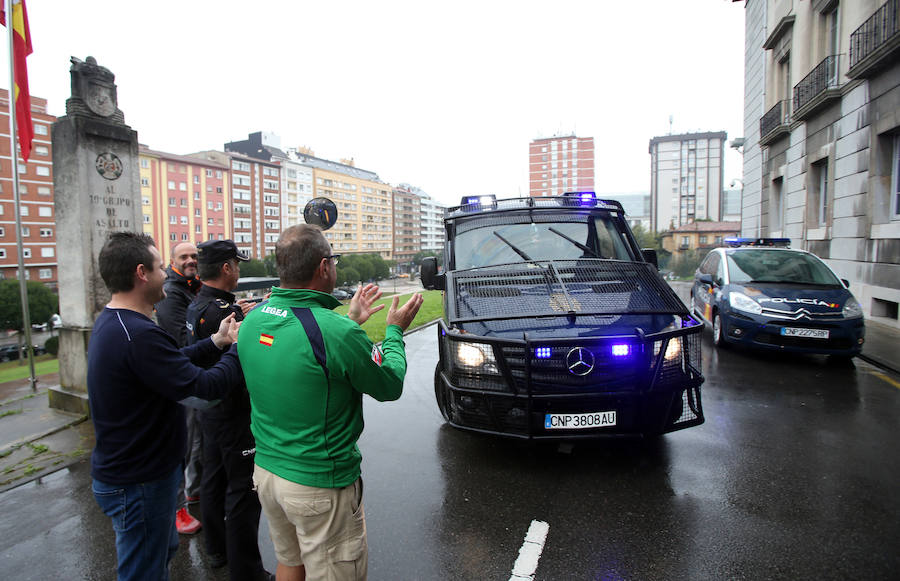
column 882, row 346
column 34, row 439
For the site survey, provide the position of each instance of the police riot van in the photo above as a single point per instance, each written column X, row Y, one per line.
column 557, row 325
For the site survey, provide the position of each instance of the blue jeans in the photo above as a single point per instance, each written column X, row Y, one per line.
column 143, row 516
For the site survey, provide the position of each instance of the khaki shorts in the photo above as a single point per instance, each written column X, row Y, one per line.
column 323, row 529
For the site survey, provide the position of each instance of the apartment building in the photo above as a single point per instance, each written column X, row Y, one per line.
column 255, row 200
column 431, row 218
column 407, row 218
column 184, row 199
column 827, row 75
column 686, row 178
column 698, row 236
column 36, row 199
column 560, row 164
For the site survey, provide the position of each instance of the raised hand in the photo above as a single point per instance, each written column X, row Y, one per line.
column 361, row 304
column 404, row 315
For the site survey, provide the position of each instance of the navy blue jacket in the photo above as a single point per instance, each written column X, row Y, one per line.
column 136, row 378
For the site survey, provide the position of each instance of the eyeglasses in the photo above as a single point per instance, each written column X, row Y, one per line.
column 335, row 258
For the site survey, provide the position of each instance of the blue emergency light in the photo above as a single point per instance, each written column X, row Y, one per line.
column 543, row 352
column 477, row 202
column 735, row 242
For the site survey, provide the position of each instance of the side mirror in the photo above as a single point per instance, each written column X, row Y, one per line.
column 650, row 256
column 846, row 282
column 705, row 279
column 431, row 280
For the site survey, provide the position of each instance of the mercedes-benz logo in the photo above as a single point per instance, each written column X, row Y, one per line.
column 580, row 361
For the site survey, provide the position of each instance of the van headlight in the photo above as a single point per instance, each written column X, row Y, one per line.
column 852, row 309
column 741, row 302
column 475, row 357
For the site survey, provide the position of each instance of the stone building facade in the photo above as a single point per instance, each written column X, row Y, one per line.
column 828, row 76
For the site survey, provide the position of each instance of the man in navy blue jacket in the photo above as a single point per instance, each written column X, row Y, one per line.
column 137, row 377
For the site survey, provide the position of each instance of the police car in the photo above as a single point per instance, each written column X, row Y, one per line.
column 557, row 325
column 762, row 293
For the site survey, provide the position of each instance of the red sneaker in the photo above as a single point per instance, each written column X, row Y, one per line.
column 185, row 523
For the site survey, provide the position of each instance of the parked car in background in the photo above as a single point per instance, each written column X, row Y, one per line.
column 9, row 352
column 762, row 293
column 340, row 295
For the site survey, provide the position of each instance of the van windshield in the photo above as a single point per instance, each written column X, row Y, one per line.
column 784, row 266
column 494, row 243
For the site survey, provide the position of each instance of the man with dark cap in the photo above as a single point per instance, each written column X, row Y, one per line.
column 228, row 504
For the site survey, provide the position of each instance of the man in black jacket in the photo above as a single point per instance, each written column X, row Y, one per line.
column 181, row 287
column 229, row 506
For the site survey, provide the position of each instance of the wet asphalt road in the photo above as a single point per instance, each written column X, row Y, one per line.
column 793, row 476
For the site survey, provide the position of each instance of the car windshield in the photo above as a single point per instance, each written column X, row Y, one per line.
column 748, row 265
column 494, row 243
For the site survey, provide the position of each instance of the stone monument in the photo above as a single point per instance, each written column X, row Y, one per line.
column 96, row 178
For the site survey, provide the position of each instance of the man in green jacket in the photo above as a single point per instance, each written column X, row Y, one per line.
column 306, row 369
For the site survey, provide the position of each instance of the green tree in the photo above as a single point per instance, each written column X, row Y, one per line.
column 42, row 304
column 348, row 276
column 419, row 256
column 269, row 262
column 645, row 238
column 253, row 267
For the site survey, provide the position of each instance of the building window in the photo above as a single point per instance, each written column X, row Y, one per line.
column 703, row 240
column 2, row 252
column 184, row 220
column 820, row 175
column 47, row 252
column 196, row 179
column 43, row 170
column 171, row 201
column 43, row 190
column 182, row 186
column 173, row 219
column 145, row 163
column 40, row 129
column 145, row 182
column 46, row 232
column 26, row 231
column 895, row 179
column 42, row 150
column 45, row 211
column 184, row 236
column 172, row 237
column 26, row 252
column 45, row 273
column 776, row 207
column 23, row 210
column 146, row 218
column 171, row 185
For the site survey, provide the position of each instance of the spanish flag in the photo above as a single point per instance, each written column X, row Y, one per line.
column 266, row 340
column 21, row 49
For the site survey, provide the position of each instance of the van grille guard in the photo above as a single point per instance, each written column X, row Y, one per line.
column 546, row 288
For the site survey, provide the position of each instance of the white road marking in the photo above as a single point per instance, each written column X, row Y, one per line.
column 530, row 552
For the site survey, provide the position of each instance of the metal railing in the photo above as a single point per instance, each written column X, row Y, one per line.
column 824, row 76
column 777, row 115
column 874, row 32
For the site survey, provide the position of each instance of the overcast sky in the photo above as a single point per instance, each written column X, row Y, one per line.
column 445, row 96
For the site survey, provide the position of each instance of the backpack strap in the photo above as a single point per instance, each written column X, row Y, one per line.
column 314, row 334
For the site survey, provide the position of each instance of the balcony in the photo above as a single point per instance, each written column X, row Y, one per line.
column 817, row 88
column 775, row 123
column 874, row 44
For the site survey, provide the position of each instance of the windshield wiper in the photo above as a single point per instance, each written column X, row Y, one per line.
column 516, row 249
column 548, row 277
column 575, row 242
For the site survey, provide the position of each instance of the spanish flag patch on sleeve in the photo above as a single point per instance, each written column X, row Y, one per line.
column 376, row 355
column 266, row 340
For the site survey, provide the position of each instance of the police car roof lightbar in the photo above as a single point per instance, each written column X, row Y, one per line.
column 734, row 242
column 479, row 200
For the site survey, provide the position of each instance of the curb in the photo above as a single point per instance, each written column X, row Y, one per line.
column 879, row 363
column 39, row 436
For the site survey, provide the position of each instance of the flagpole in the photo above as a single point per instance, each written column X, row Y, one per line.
column 14, row 154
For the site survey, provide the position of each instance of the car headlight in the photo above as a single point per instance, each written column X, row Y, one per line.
column 852, row 309
column 477, row 357
column 741, row 302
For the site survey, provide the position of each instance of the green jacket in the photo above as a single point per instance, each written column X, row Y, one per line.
column 306, row 426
